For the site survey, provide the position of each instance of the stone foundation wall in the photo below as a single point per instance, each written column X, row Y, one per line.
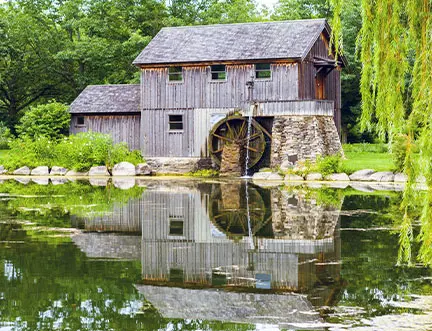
column 178, row 165
column 303, row 136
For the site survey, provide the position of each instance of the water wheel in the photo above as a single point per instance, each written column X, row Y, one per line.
column 234, row 130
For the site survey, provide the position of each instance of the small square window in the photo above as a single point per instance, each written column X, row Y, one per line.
column 175, row 122
column 262, row 70
column 176, row 227
column 218, row 72
column 175, row 74
column 80, row 120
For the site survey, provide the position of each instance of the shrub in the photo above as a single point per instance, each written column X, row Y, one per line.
column 5, row 136
column 330, row 164
column 50, row 120
column 79, row 152
column 31, row 153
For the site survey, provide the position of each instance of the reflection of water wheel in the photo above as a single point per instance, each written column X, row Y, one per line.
column 228, row 211
column 233, row 130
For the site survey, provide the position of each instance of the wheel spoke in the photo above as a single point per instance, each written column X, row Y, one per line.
column 223, row 138
column 252, row 149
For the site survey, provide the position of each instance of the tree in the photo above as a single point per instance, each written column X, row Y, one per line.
column 396, row 89
column 350, row 76
column 27, row 48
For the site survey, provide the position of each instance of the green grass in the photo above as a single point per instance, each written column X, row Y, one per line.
column 367, row 160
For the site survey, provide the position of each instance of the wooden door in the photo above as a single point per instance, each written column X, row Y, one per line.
column 319, row 87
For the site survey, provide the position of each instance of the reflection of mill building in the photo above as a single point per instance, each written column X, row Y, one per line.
column 191, row 237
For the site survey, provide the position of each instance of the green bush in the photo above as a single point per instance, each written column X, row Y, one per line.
column 5, row 136
column 50, row 120
column 329, row 165
column 32, row 153
column 78, row 152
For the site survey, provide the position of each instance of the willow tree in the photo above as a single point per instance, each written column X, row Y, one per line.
column 395, row 48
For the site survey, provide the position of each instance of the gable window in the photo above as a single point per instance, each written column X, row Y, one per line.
column 218, row 72
column 175, row 74
column 80, row 120
column 176, row 227
column 262, row 71
column 175, row 122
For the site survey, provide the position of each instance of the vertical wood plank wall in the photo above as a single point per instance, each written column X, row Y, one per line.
column 197, row 90
column 307, row 73
column 123, row 128
column 197, row 98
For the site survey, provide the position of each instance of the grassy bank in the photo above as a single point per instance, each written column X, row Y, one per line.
column 3, row 153
column 367, row 156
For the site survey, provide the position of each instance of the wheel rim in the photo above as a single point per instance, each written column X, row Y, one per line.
column 233, row 130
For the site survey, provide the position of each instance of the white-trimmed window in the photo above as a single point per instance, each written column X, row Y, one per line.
column 218, row 72
column 175, row 122
column 175, row 74
column 262, row 71
column 80, row 121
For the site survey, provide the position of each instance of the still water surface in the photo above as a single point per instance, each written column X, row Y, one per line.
column 193, row 255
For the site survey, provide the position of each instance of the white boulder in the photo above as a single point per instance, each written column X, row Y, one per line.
column 40, row 171
column 124, row 169
column 362, row 175
column 58, row 171
column 22, row 171
column 99, row 171
column 340, row 177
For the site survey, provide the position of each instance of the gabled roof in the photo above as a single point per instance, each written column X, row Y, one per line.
column 107, row 99
column 233, row 42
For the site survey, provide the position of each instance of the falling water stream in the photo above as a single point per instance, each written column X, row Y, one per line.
column 248, row 134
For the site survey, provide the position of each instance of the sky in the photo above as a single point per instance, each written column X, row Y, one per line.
column 268, row 3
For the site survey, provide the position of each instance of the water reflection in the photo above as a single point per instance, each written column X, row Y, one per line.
column 194, row 255
column 201, row 236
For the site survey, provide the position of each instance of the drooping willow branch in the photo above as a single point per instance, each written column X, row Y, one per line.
column 395, row 44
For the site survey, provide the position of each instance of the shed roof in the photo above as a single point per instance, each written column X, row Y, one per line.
column 230, row 42
column 107, row 99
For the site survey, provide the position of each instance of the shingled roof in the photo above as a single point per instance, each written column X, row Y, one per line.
column 107, row 99
column 231, row 42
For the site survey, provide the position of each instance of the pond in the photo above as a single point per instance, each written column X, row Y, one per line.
column 183, row 254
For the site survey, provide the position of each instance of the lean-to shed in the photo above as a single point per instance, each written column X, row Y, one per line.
column 112, row 109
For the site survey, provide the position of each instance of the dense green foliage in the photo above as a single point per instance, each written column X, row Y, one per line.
column 50, row 120
column 5, row 136
column 55, row 49
column 79, row 152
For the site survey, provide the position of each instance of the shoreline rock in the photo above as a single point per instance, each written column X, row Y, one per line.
column 124, row 169
column 40, row 171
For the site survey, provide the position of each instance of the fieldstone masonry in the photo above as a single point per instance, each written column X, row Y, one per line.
column 304, row 136
column 231, row 163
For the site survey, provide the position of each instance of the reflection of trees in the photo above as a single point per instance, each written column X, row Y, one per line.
column 52, row 205
column 57, row 287
column 369, row 254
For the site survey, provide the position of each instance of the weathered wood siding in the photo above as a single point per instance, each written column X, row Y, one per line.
column 159, row 141
column 197, row 90
column 307, row 72
column 123, row 128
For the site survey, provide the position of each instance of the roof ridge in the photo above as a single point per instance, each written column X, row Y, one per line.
column 243, row 23
column 108, row 85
